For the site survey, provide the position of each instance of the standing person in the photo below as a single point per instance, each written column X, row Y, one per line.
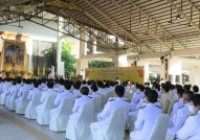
column 118, row 81
column 146, row 117
column 191, row 128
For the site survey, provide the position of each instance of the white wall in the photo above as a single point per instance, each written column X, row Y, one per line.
column 35, row 31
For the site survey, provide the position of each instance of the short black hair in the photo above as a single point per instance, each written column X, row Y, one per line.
column 180, row 91
column 67, row 85
column 189, row 94
column 19, row 80
column 195, row 88
column 157, row 86
column 36, row 83
column 119, row 90
column 62, row 81
column 187, row 87
column 94, row 88
column 50, row 84
column 152, row 95
column 77, row 85
column 141, row 87
column 14, row 82
column 196, row 99
column 85, row 90
column 166, row 87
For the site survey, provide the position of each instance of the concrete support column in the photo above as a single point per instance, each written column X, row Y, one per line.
column 175, row 70
column 120, row 60
column 60, row 64
column 82, row 63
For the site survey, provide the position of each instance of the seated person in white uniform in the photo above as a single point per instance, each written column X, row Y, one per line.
column 76, row 90
column 34, row 91
column 94, row 89
column 47, row 93
column 65, row 94
column 191, row 128
column 81, row 101
column 139, row 94
column 114, row 103
column 60, row 86
column 179, row 103
column 179, row 117
column 27, row 86
column 146, row 117
column 111, row 105
column 195, row 89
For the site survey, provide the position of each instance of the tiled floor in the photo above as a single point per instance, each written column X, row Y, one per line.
column 16, row 127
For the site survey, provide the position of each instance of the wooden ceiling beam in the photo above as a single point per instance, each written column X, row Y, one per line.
column 165, row 32
column 184, row 15
column 111, row 31
column 117, row 25
column 151, row 33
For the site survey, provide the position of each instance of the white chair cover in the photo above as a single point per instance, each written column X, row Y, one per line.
column 43, row 110
column 160, row 128
column 22, row 103
column 97, row 106
column 60, row 115
column 30, row 112
column 78, row 127
column 111, row 129
column 3, row 98
column 11, row 100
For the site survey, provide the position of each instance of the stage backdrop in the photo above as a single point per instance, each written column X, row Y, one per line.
column 135, row 74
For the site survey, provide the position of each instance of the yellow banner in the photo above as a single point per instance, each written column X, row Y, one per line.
column 135, row 74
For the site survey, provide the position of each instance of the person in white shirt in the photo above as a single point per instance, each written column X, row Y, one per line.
column 65, row 94
column 139, row 94
column 25, row 88
column 34, row 91
column 179, row 103
column 114, row 103
column 47, row 93
column 61, row 96
column 110, row 107
column 118, row 81
column 191, row 127
column 94, row 89
column 81, row 101
column 195, row 89
column 76, row 90
column 178, row 119
column 60, row 86
column 146, row 117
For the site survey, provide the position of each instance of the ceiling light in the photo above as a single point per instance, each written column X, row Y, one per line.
column 178, row 17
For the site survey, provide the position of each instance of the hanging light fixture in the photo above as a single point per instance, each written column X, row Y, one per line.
column 178, row 17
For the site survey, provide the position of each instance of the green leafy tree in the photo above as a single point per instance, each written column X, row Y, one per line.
column 50, row 55
column 68, row 58
column 99, row 64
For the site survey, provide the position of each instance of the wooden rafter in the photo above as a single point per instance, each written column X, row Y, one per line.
column 184, row 15
column 153, row 34
column 165, row 32
column 118, row 26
